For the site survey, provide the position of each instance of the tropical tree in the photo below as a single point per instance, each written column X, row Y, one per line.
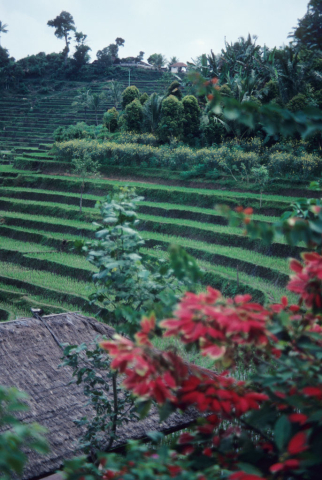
column 291, row 72
column 95, row 101
column 129, row 94
column 104, row 57
column 81, row 55
column 133, row 116
column 120, row 41
column 191, row 117
column 63, row 24
column 157, row 60
column 110, row 119
column 308, row 32
column 3, row 29
column 173, row 60
column 152, row 112
column 175, row 89
column 113, row 50
column 82, row 100
column 84, row 166
column 140, row 56
column 171, row 118
column 114, row 92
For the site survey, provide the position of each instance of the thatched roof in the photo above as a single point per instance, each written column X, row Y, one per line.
column 29, row 358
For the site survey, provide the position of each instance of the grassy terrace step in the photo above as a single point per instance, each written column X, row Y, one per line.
column 222, row 235
column 17, row 303
column 199, row 197
column 45, row 284
column 229, row 284
column 37, row 229
column 63, row 264
column 273, row 269
column 166, row 210
column 30, row 260
column 229, row 254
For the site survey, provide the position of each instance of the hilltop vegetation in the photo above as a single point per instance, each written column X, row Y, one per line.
column 118, row 195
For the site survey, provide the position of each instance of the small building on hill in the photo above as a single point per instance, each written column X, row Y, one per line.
column 178, row 67
column 139, row 64
column 30, row 355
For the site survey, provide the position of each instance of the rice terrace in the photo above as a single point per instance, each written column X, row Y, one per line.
column 160, row 245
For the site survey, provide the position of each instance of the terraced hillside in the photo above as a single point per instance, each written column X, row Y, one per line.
column 40, row 220
column 27, row 121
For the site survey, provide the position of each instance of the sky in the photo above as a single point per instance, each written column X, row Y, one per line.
column 181, row 28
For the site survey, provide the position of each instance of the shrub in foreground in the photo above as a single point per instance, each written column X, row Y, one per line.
column 266, row 425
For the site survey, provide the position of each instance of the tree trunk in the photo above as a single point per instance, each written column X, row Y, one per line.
column 96, row 118
column 67, row 50
column 260, row 200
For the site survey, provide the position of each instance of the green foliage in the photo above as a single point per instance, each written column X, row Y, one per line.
column 171, row 118
column 152, row 112
column 297, row 103
column 127, row 281
column 123, row 281
column 308, row 33
column 4, row 57
column 129, row 94
column 225, row 90
column 114, row 92
column 63, row 24
column 270, row 91
column 138, row 138
column 17, row 435
column 302, row 165
column 318, row 97
column 110, row 119
column 91, row 369
column 213, row 129
column 81, row 55
column 283, row 160
column 143, row 98
column 104, row 57
column 84, row 166
column 133, row 116
column 79, row 131
column 158, row 60
column 175, row 90
column 191, row 117
column 94, row 103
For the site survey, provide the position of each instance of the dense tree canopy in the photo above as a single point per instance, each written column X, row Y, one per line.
column 309, row 29
column 63, row 24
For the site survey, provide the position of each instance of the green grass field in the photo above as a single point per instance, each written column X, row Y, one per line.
column 40, row 212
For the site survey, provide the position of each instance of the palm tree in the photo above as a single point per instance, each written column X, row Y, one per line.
column 115, row 92
column 3, row 29
column 152, row 112
column 95, row 102
column 82, row 100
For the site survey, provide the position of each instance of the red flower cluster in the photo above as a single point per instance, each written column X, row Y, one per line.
column 217, row 325
column 148, row 374
column 307, row 281
column 164, row 376
column 221, row 395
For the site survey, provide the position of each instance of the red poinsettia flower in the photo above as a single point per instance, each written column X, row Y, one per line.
column 291, row 464
column 298, row 418
column 307, row 281
column 297, row 444
column 244, row 476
